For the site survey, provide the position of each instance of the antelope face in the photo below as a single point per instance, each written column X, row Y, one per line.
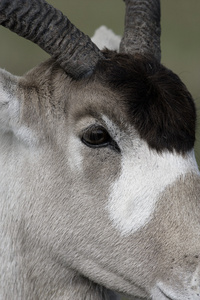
column 119, row 191
column 98, row 175
column 108, row 193
column 138, row 162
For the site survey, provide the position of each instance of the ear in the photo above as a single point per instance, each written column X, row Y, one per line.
column 9, row 101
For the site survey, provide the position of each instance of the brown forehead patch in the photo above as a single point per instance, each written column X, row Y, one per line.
column 156, row 101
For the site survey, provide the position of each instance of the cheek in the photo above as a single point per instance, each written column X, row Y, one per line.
column 101, row 168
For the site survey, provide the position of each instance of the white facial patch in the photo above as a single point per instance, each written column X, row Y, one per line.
column 26, row 135
column 144, row 175
column 74, row 157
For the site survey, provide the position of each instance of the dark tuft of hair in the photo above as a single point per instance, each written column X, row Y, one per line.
column 157, row 102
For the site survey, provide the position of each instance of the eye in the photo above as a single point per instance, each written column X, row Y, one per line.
column 96, row 137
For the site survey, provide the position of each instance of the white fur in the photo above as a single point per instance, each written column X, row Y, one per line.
column 134, row 194
column 195, row 283
column 9, row 103
column 26, row 134
column 106, row 38
column 75, row 158
column 10, row 109
column 192, row 292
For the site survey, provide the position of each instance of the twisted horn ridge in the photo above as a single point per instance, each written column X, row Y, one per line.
column 39, row 22
column 142, row 28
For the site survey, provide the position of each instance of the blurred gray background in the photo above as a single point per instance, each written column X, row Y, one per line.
column 180, row 41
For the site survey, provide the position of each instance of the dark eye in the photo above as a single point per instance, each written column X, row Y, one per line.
column 96, row 136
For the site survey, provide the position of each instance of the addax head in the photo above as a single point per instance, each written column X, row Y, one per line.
column 103, row 143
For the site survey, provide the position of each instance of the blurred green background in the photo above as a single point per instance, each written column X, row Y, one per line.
column 180, row 40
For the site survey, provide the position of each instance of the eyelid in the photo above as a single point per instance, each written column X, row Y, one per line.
column 96, row 136
column 109, row 143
